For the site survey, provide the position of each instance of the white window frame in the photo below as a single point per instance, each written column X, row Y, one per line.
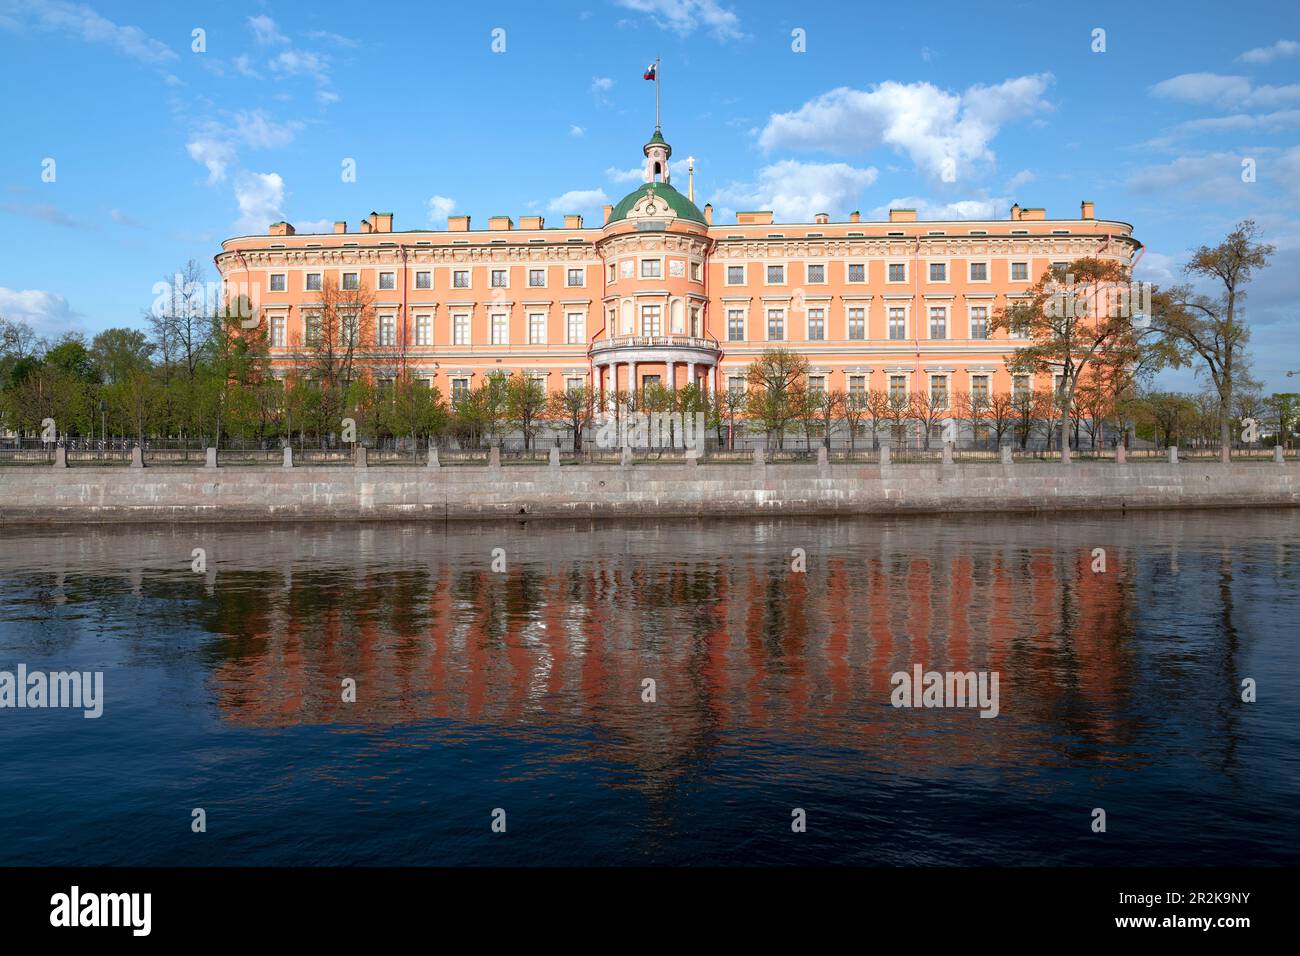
column 929, row 271
column 306, row 281
column 988, row 271
column 536, row 339
column 808, row 279
column 499, row 321
column 469, row 278
column 889, row 266
column 392, row 278
column 459, row 320
column 744, row 273
column 492, row 277
column 284, row 282
column 848, row 266
column 582, row 277
column 767, row 273
column 428, row 275
column 643, row 262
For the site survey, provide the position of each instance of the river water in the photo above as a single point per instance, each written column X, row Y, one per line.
column 500, row 673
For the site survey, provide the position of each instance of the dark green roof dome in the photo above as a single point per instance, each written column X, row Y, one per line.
column 680, row 205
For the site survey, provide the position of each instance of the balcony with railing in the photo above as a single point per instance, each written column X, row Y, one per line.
column 679, row 348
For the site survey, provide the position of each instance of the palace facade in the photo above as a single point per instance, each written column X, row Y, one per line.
column 660, row 293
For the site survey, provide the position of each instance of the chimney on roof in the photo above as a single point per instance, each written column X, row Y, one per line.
column 855, row 216
column 902, row 215
column 280, row 229
column 531, row 222
column 609, row 208
column 1015, row 212
column 708, row 213
column 822, row 218
column 383, row 221
column 341, row 227
column 1085, row 210
column 499, row 223
column 458, row 223
column 572, row 222
column 367, row 227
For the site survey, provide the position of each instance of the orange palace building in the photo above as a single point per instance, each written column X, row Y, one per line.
column 659, row 292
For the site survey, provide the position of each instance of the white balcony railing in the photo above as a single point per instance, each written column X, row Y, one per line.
column 655, row 341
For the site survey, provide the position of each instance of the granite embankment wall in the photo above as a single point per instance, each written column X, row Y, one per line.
column 251, row 493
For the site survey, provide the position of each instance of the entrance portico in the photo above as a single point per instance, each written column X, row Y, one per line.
column 669, row 351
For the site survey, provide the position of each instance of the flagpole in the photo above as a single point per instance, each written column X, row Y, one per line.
column 656, row 92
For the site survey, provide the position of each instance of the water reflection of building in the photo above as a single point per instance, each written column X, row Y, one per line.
column 739, row 646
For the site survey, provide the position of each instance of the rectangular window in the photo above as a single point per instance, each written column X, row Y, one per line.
column 387, row 280
column 536, row 278
column 979, row 272
column 1020, row 272
column 279, row 282
column 736, row 325
column 576, row 328
column 459, row 389
column 537, row 328
column 735, row 386
column 423, row 330
column 627, row 267
column 735, row 275
column 460, row 329
column 938, row 323
column 816, row 273
column 857, row 272
column 938, row 272
column 979, row 387
column 576, row 277
column 311, row 328
column 897, row 323
column 500, row 329
column 775, row 275
column 387, row 330
column 816, row 325
column 857, row 324
column 651, row 319
column 313, row 281
column 898, row 387
column 979, row 322
column 460, row 279
column 1061, row 267
column 817, row 384
column 424, row 280
column 857, row 389
column 499, row 278
column 695, row 272
column 1020, row 386
column 775, row 325
column 652, row 269
column 351, row 281
column 939, row 390
column 277, row 331
column 898, row 272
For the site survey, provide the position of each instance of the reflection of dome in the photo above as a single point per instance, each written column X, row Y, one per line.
column 664, row 194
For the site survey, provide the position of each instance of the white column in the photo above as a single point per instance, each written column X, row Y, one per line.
column 631, row 384
column 690, row 373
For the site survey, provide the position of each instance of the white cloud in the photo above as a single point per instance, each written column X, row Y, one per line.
column 216, row 144
column 314, row 226
column 1267, row 54
column 214, row 152
column 122, row 219
column 1215, row 176
column 601, row 84
column 578, row 201
column 1024, row 177
column 1156, row 267
column 265, row 30
column 260, row 131
column 81, row 21
column 244, row 65
column 939, row 130
column 576, row 130
column 686, row 16
column 1225, row 91
column 795, row 192
column 260, row 197
column 46, row 312
column 936, row 211
column 301, row 63
column 440, row 207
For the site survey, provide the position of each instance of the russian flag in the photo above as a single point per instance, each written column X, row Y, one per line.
column 649, row 72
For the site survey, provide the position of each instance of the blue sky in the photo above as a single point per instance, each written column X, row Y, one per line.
column 161, row 152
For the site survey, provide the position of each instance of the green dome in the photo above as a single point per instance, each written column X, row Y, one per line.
column 683, row 207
